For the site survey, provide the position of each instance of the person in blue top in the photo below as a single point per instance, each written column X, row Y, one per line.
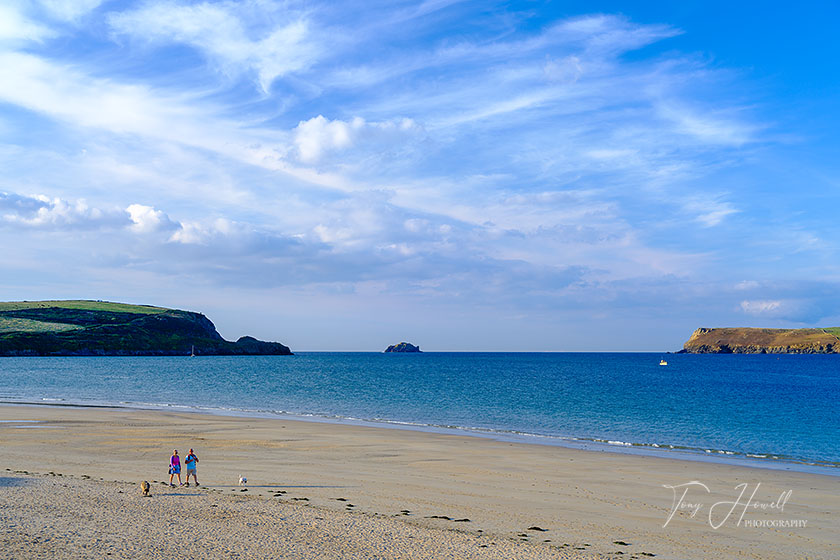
column 191, row 460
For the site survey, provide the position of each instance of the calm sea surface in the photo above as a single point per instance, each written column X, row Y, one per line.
column 779, row 410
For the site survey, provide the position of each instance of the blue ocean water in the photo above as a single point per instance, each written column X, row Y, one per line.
column 773, row 408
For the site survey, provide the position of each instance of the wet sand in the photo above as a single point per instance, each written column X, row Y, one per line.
column 338, row 491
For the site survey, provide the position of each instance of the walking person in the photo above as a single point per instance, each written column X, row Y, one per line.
column 191, row 460
column 175, row 468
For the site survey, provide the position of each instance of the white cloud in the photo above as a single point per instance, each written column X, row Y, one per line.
column 19, row 20
column 40, row 85
column 762, row 307
column 416, row 225
column 43, row 212
column 57, row 214
column 319, row 135
column 218, row 31
column 567, row 69
column 69, row 10
column 747, row 285
column 709, row 210
column 15, row 26
column 148, row 220
column 707, row 126
column 191, row 233
column 806, row 304
column 198, row 233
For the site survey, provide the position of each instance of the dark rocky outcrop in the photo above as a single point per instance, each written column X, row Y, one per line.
column 403, row 347
column 744, row 340
column 105, row 332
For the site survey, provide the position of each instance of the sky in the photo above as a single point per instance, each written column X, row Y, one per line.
column 466, row 176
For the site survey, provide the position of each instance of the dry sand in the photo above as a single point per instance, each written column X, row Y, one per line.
column 489, row 496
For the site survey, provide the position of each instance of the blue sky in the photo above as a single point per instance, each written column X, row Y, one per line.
column 557, row 176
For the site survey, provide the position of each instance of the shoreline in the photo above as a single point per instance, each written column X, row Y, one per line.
column 680, row 453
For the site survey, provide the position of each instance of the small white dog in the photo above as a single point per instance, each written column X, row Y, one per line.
column 242, row 480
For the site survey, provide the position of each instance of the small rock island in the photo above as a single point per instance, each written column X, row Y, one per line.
column 743, row 340
column 102, row 328
column 403, row 347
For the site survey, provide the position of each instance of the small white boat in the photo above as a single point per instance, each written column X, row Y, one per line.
column 663, row 363
column 192, row 352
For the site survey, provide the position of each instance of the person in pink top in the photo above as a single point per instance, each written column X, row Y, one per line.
column 175, row 468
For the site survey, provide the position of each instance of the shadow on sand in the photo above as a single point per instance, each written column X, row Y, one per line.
column 10, row 481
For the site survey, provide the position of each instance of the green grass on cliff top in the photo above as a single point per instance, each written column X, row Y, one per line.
column 834, row 331
column 13, row 324
column 25, row 325
column 85, row 305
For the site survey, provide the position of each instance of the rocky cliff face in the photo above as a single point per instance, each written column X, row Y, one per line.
column 762, row 341
column 403, row 347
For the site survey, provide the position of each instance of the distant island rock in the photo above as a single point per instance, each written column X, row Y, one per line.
column 99, row 328
column 403, row 347
column 763, row 341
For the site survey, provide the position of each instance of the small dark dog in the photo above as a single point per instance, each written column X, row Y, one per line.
column 144, row 486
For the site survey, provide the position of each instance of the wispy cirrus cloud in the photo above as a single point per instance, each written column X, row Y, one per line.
column 15, row 26
column 69, row 10
column 231, row 35
column 709, row 127
column 801, row 309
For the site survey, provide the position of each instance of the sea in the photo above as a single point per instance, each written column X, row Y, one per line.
column 771, row 411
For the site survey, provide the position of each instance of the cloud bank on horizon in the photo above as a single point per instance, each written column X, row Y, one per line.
column 465, row 175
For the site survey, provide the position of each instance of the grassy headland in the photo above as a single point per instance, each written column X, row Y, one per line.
column 100, row 328
column 742, row 340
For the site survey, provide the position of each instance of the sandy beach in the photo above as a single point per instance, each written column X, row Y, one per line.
column 69, row 488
